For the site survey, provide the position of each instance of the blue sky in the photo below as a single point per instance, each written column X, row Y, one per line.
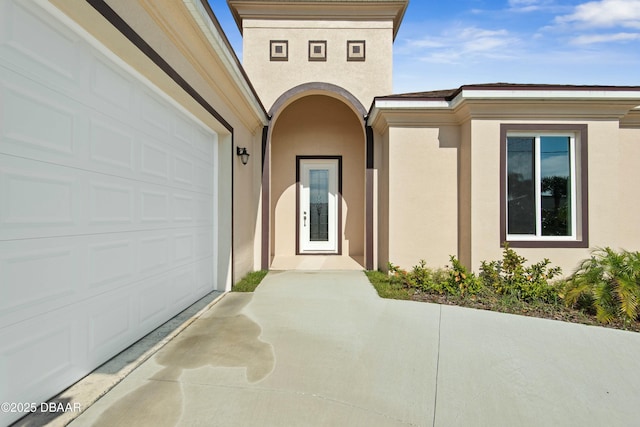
column 446, row 44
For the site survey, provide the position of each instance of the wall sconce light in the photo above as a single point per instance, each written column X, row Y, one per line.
column 242, row 153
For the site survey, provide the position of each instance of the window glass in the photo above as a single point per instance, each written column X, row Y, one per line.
column 521, row 185
column 544, row 190
column 319, row 205
column 555, row 185
column 539, row 199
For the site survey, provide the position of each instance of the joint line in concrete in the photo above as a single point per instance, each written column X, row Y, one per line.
column 435, row 398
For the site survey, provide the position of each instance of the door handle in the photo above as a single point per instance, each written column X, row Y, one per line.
column 304, row 218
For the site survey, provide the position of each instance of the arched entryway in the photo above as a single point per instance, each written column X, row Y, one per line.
column 316, row 156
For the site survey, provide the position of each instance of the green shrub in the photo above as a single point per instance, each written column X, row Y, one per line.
column 511, row 277
column 398, row 276
column 453, row 281
column 607, row 283
column 461, row 282
column 425, row 279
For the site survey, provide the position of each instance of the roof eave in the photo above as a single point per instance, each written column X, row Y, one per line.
column 210, row 27
column 627, row 98
column 319, row 10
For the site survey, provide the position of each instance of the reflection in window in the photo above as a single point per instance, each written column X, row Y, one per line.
column 520, row 183
column 539, row 185
column 555, row 181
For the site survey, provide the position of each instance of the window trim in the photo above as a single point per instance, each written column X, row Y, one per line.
column 581, row 239
column 321, row 57
column 284, row 56
column 362, row 56
column 537, row 137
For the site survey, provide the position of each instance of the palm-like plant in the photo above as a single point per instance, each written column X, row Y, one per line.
column 610, row 280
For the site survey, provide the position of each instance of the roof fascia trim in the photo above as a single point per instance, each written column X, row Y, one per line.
column 221, row 47
column 323, row 10
column 426, row 104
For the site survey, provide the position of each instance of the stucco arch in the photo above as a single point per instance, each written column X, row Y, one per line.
column 309, row 119
column 316, row 88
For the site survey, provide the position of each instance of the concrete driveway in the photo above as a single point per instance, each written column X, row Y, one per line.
column 321, row 349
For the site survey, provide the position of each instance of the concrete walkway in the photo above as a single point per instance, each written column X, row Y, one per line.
column 321, row 349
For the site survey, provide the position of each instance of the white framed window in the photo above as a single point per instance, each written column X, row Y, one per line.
column 543, row 185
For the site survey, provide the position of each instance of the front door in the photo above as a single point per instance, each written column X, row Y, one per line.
column 318, row 205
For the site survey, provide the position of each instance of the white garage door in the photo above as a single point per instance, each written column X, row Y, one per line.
column 107, row 213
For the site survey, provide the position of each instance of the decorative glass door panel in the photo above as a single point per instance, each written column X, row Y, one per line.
column 318, row 207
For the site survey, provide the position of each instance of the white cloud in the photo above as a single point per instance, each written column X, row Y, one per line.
column 478, row 40
column 509, row 46
column 428, row 42
column 461, row 44
column 605, row 14
column 555, row 165
column 529, row 5
column 605, row 38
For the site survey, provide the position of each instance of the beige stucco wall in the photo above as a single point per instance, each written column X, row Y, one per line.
column 484, row 200
column 422, row 195
column 313, row 126
column 464, row 194
column 629, row 188
column 381, row 165
column 247, row 204
column 606, row 203
column 363, row 79
column 439, row 184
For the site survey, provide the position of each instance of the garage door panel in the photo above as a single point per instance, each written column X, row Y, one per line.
column 109, row 149
column 204, row 276
column 154, row 203
column 155, row 114
column 35, row 198
column 111, row 203
column 154, row 162
column 153, row 253
column 76, row 338
column 24, row 104
column 153, row 301
column 112, row 144
column 181, row 167
column 110, row 84
column 204, row 209
column 184, row 132
column 94, row 331
column 204, row 176
column 46, row 274
column 183, row 207
column 54, row 334
column 42, row 124
column 183, row 248
column 83, row 335
column 164, row 295
column 107, row 205
column 202, row 143
column 111, row 263
column 204, row 243
column 38, row 48
column 47, row 200
column 67, row 271
column 183, row 284
column 110, row 325
column 182, row 170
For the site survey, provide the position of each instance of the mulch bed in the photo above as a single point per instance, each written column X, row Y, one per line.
column 544, row 311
